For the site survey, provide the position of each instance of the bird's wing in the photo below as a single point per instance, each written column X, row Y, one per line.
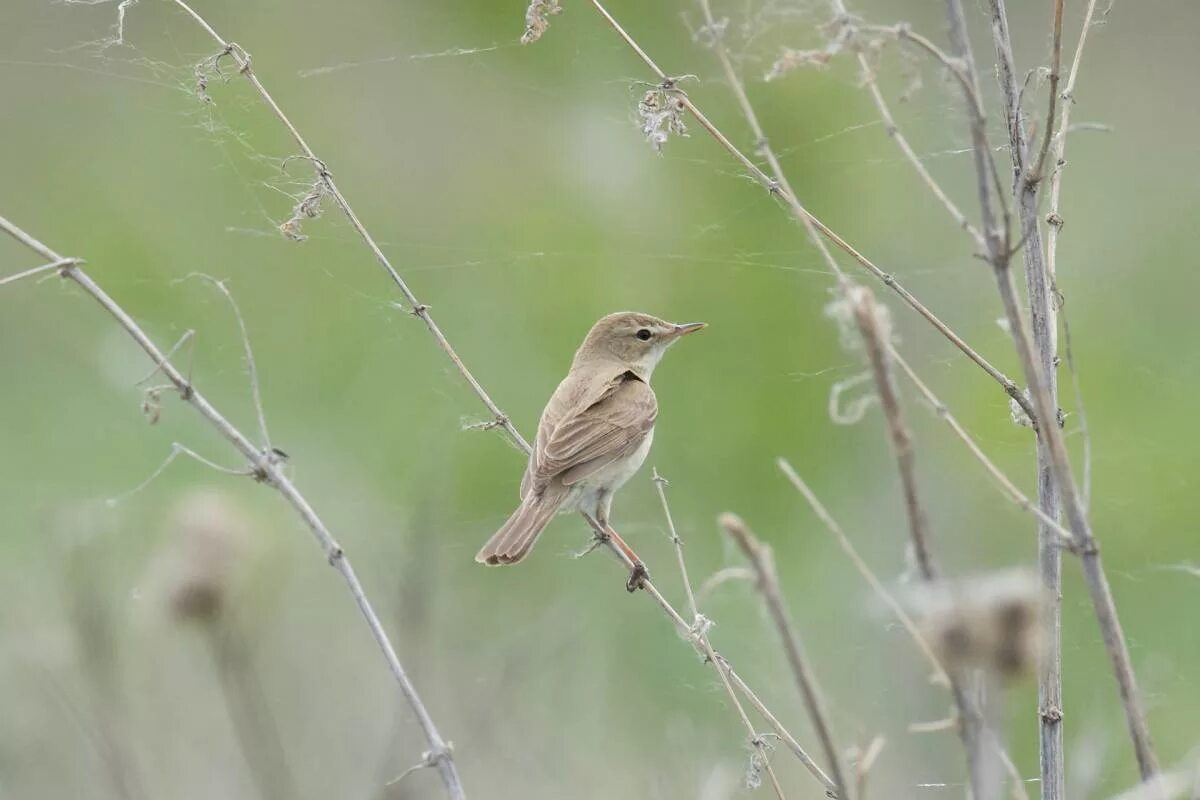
column 593, row 435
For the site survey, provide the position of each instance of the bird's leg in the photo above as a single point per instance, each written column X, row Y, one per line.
column 638, row 575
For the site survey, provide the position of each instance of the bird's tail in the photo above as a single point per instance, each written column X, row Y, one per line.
column 516, row 537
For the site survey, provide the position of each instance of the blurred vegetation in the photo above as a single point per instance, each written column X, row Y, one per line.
column 511, row 186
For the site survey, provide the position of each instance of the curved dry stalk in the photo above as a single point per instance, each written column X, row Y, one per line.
column 762, row 562
column 778, row 186
column 266, row 468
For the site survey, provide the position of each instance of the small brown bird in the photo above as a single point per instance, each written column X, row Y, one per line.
column 594, row 434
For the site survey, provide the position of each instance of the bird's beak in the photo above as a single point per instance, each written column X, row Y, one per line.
column 683, row 329
column 687, row 327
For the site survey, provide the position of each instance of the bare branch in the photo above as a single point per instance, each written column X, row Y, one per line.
column 893, row 131
column 688, row 633
column 59, row 265
column 1054, row 224
column 1056, row 482
column 700, row 637
column 266, row 468
column 763, row 564
column 1035, row 175
column 877, row 339
column 242, row 60
column 1007, row 487
column 251, row 369
column 906, row 621
column 777, row 185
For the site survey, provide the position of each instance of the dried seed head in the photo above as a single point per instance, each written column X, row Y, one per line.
column 986, row 621
column 308, row 207
column 210, row 534
column 660, row 114
column 537, row 19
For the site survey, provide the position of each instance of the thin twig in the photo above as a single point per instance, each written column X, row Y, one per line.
column 1007, row 487
column 660, row 486
column 778, row 186
column 687, row 631
column 251, row 368
column 1035, row 175
column 242, row 59
column 905, row 620
column 266, row 467
column 700, row 637
column 894, row 132
column 60, row 264
column 1054, row 224
column 763, row 564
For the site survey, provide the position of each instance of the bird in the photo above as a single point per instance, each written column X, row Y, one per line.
column 593, row 435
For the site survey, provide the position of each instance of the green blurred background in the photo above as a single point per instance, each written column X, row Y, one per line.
column 511, row 187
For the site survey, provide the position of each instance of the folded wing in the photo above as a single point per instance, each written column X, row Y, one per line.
column 591, row 438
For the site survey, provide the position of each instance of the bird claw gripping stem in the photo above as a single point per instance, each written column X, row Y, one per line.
column 637, row 577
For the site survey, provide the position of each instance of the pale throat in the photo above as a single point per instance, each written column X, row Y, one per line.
column 644, row 366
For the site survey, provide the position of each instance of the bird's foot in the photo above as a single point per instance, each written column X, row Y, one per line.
column 637, row 577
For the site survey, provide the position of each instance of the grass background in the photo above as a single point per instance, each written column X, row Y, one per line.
column 511, row 187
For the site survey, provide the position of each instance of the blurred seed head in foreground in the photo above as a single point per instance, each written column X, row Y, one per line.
column 988, row 621
column 210, row 534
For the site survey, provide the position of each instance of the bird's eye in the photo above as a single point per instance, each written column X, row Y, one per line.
column 644, row 334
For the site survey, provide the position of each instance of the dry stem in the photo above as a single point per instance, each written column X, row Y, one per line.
column 700, row 637
column 500, row 419
column 763, row 564
column 265, row 467
column 972, row 724
column 1056, row 479
column 777, row 185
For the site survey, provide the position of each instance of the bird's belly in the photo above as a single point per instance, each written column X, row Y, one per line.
column 608, row 478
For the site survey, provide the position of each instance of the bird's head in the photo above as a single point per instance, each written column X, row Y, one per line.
column 634, row 340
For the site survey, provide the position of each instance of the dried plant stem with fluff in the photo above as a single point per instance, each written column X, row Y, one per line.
column 1056, row 482
column 971, row 721
column 762, row 562
column 265, row 467
column 777, row 185
column 705, row 645
column 906, row 621
column 242, row 60
column 500, row 420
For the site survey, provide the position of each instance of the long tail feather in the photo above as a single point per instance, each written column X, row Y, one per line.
column 517, row 536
